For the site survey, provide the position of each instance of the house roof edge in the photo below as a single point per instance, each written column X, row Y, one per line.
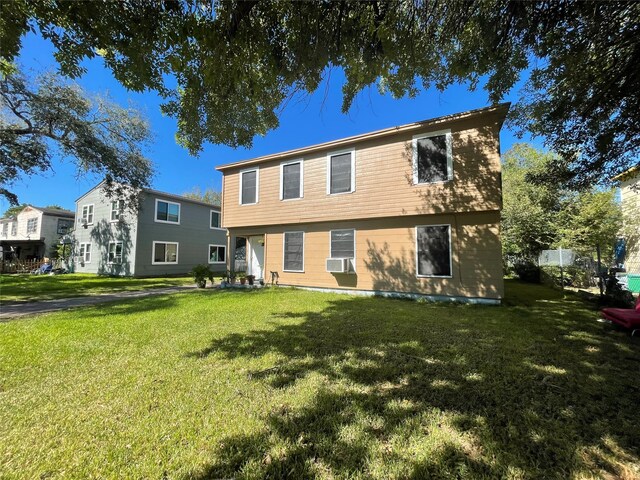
column 499, row 108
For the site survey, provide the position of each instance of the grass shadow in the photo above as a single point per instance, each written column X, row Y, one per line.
column 410, row 390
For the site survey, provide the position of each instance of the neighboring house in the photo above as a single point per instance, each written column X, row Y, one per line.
column 34, row 233
column 630, row 202
column 413, row 209
column 168, row 235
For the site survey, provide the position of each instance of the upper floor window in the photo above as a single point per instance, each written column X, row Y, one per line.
column 341, row 172
column 5, row 229
column 293, row 252
column 291, row 180
column 433, row 251
column 115, row 252
column 117, row 208
column 32, row 225
column 64, row 226
column 214, row 219
column 87, row 214
column 167, row 212
column 165, row 252
column 432, row 157
column 249, row 186
column 14, row 229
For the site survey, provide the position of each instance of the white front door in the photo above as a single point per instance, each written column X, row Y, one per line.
column 256, row 256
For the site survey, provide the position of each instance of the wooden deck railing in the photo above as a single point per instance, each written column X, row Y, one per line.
column 19, row 266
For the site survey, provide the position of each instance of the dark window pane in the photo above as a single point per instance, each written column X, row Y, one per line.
column 343, row 244
column 432, row 159
column 293, row 250
column 217, row 254
column 434, row 252
column 249, row 187
column 163, row 208
column 215, row 219
column 173, row 213
column 291, row 181
column 340, row 173
column 64, row 226
column 159, row 253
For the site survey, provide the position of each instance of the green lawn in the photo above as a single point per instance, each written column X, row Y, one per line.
column 14, row 288
column 287, row 383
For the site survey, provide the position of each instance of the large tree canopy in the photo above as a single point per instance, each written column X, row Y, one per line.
column 54, row 117
column 226, row 67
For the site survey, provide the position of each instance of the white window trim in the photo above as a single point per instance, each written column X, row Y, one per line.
column 109, row 251
column 355, row 249
column 155, row 216
column 118, row 209
column 84, row 254
column 220, row 216
column 414, row 163
column 247, row 170
column 283, row 250
column 352, row 151
column 209, row 254
column 450, row 251
column 292, row 162
column 35, row 230
column 153, row 253
column 92, row 213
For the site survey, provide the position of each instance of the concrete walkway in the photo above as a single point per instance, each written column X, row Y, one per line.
column 10, row 311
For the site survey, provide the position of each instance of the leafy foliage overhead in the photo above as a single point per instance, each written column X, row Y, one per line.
column 226, row 67
column 54, row 117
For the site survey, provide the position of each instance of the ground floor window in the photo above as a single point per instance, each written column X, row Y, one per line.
column 217, row 254
column 165, row 252
column 115, row 252
column 433, row 250
column 343, row 243
column 293, row 255
column 85, row 252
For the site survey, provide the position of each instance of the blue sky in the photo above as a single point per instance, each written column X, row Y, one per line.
column 306, row 121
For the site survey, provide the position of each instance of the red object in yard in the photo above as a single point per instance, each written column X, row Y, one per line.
column 625, row 317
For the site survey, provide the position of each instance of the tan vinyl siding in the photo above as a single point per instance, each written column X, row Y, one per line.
column 630, row 197
column 385, row 257
column 383, row 183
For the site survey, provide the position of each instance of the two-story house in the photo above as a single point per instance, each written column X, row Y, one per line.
column 34, row 233
column 630, row 202
column 413, row 209
column 168, row 235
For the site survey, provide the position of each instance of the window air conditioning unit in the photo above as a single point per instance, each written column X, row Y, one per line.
column 339, row 265
column 84, row 222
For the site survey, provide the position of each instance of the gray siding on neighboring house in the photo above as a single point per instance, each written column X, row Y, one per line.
column 193, row 236
column 49, row 232
column 137, row 232
column 100, row 233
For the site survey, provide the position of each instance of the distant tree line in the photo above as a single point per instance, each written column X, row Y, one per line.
column 538, row 216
